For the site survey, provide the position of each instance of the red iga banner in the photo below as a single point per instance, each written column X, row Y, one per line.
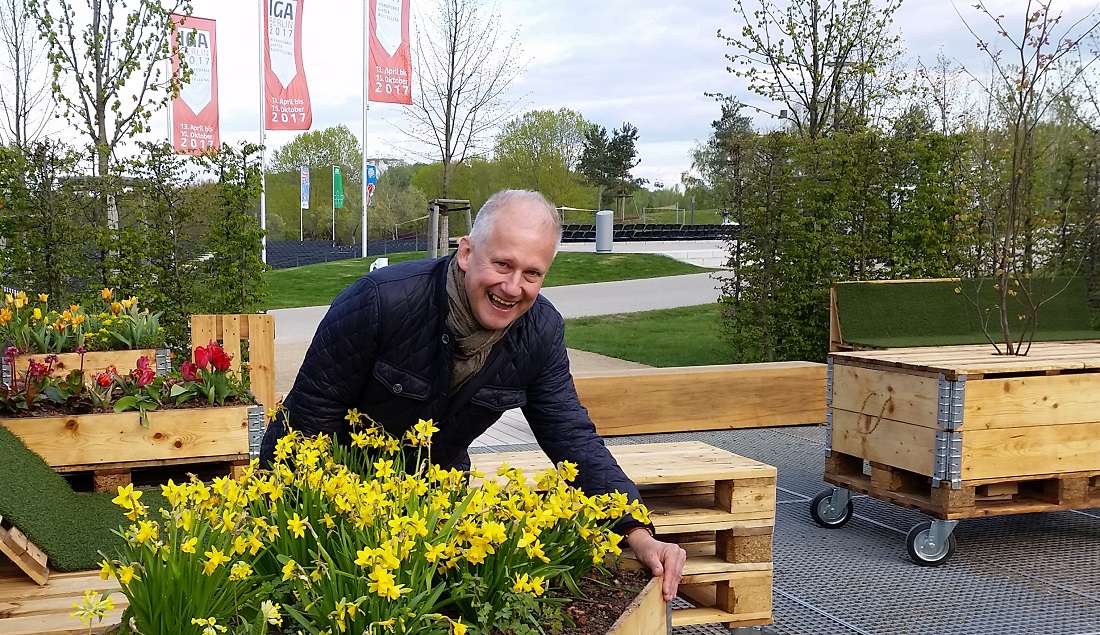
column 195, row 110
column 391, row 74
column 286, row 95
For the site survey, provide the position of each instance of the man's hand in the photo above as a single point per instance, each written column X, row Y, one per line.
column 663, row 559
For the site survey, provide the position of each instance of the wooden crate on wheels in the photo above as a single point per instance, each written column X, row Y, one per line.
column 959, row 432
column 719, row 506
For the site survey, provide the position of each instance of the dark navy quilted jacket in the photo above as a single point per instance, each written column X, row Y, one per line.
column 384, row 348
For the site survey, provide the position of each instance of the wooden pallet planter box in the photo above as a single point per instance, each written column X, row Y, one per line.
column 717, row 505
column 94, row 362
column 957, row 431
column 112, row 444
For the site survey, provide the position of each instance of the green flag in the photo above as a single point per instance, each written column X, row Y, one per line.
column 337, row 188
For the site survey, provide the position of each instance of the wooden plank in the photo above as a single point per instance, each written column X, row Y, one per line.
column 203, row 329
column 881, row 393
column 836, row 337
column 1011, row 452
column 710, row 615
column 651, row 400
column 1018, row 402
column 23, row 553
column 98, row 439
column 645, row 464
column 646, row 615
column 881, row 440
column 675, row 517
column 94, row 361
column 260, row 332
column 979, row 359
column 230, row 335
column 57, row 624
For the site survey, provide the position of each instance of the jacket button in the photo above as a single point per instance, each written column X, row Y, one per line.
column 446, row 339
column 397, row 388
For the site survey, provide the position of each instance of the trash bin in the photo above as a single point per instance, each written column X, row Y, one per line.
column 605, row 231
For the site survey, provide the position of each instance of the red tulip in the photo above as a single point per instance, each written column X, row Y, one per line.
column 103, row 379
column 202, row 356
column 189, row 371
column 221, row 360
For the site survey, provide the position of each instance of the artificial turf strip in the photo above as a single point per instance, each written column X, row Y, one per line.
column 931, row 313
column 71, row 527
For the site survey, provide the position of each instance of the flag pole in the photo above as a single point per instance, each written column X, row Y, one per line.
column 366, row 109
column 263, row 136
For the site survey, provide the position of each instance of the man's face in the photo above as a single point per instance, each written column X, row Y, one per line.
column 505, row 271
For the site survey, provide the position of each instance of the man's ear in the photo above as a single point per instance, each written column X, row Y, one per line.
column 465, row 248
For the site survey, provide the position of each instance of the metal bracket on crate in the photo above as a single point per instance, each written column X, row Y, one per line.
column 829, row 383
column 829, row 430
column 949, row 414
column 5, row 374
column 948, row 459
column 163, row 361
column 255, row 430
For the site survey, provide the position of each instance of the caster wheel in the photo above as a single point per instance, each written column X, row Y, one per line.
column 828, row 515
column 926, row 552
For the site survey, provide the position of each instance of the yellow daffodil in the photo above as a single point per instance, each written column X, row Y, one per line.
column 126, row 574
column 297, row 526
column 214, row 559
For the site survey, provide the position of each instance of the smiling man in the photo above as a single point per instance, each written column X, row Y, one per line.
column 460, row 340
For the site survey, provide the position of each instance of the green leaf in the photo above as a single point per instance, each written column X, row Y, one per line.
column 129, row 402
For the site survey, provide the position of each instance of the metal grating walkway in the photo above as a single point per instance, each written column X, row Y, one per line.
column 1028, row 574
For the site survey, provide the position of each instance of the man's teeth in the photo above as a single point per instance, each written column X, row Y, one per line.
column 496, row 299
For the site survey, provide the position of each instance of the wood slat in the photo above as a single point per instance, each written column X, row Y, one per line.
column 1017, row 402
column 1011, row 452
column 94, row 361
column 652, row 400
column 895, row 443
column 260, row 333
column 645, row 614
column 98, row 439
column 646, row 464
column 980, row 359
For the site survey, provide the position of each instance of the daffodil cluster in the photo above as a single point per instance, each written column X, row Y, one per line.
column 366, row 538
column 117, row 324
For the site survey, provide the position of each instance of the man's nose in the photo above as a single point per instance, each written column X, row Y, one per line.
column 513, row 282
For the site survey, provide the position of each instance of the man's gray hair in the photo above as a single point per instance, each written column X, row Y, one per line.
column 527, row 199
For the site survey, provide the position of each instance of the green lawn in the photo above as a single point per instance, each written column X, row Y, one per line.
column 687, row 336
column 317, row 285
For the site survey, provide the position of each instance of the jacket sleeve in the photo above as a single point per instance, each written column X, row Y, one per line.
column 338, row 363
column 565, row 432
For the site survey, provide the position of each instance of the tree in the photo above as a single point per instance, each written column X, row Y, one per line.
column 24, row 88
column 540, row 151
column 321, row 149
column 1016, row 220
column 827, row 62
column 463, row 66
column 606, row 163
column 114, row 66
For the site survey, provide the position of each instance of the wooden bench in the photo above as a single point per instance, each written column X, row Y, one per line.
column 696, row 398
column 880, row 314
column 719, row 506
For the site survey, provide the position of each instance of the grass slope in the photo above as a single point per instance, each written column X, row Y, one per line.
column 71, row 527
column 687, row 336
column 318, row 285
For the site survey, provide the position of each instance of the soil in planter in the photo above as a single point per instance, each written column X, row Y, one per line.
column 604, row 600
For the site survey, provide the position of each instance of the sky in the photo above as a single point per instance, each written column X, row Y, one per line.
column 648, row 62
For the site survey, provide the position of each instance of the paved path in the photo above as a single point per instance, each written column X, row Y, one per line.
column 294, row 328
